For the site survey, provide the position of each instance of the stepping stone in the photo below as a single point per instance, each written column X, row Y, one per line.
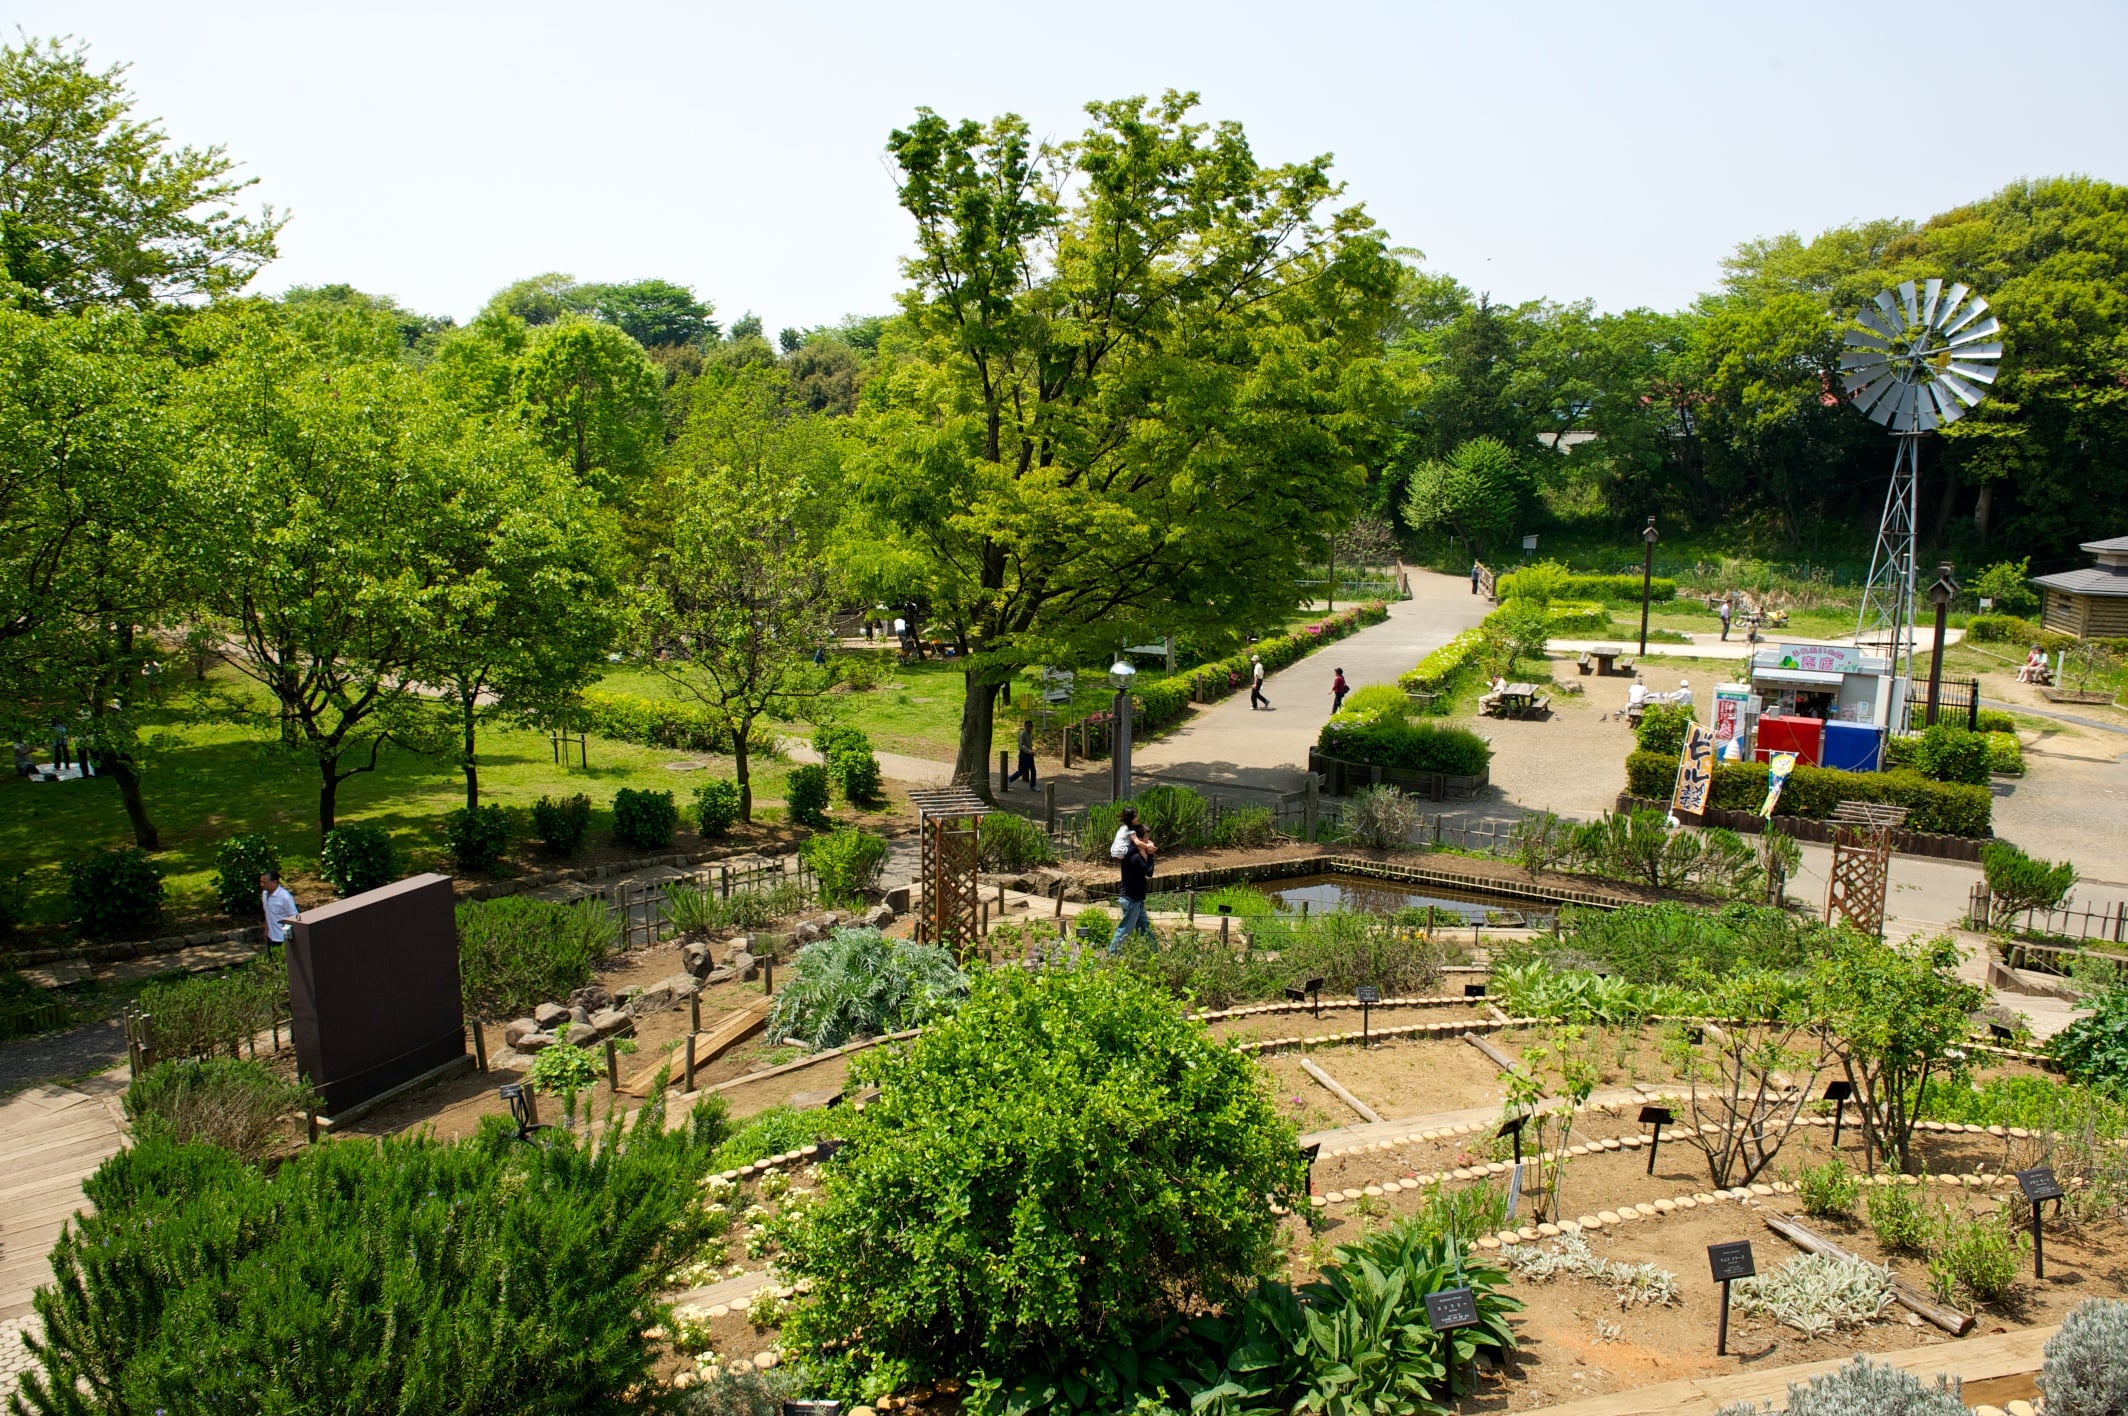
column 1665, row 1206
column 1350, row 1194
column 1611, row 1143
column 1608, row 1216
column 1685, row 1202
column 1374, row 1190
column 1528, row 1234
column 1487, row 1241
column 721, row 1310
column 1506, row 1237
column 1646, row 1210
column 1595, row 1221
column 1762, row 1189
column 1549, row 1231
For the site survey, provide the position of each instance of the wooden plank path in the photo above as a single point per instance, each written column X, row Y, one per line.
column 51, row 1137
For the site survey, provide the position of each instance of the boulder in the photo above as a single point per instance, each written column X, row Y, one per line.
column 548, row 1014
column 740, row 944
column 898, row 899
column 579, row 1015
column 608, row 1021
column 681, row 986
column 515, row 1032
column 806, row 932
column 534, row 1042
column 879, row 916
column 744, row 966
column 654, row 999
column 591, row 998
column 695, row 958
column 724, row 973
column 830, row 920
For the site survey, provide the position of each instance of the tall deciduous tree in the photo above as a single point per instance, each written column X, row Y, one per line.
column 324, row 500
column 97, row 207
column 592, row 395
column 1143, row 377
column 1480, row 491
column 745, row 589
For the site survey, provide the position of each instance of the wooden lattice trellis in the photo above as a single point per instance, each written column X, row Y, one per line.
column 1860, row 880
column 950, row 821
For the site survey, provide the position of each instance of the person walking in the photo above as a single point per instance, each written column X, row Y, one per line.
column 1476, row 569
column 1338, row 689
column 1725, row 619
column 277, row 905
column 1256, row 677
column 1137, row 872
column 1126, row 827
column 1026, row 767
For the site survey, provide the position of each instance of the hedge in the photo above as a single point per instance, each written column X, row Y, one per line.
column 1379, row 740
column 1438, row 671
column 1207, row 683
column 1595, row 587
column 1941, row 808
column 660, row 722
column 1572, row 617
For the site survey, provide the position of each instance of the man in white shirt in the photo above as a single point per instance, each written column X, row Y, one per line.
column 278, row 904
column 1684, row 692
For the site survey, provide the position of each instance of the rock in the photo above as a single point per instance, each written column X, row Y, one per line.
column 716, row 976
column 515, row 1032
column 879, row 916
column 898, row 899
column 805, row 933
column 590, row 998
column 764, row 1360
column 654, row 999
column 741, row 944
column 608, row 1021
column 743, row 966
column 534, row 1042
column 579, row 1016
column 548, row 1014
column 695, row 958
column 681, row 986
column 830, row 920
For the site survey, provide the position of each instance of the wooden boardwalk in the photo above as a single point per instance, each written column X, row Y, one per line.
column 51, row 1137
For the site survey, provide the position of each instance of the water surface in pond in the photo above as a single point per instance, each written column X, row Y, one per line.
column 1371, row 896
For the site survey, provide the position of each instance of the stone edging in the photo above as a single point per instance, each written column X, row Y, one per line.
column 1456, row 1028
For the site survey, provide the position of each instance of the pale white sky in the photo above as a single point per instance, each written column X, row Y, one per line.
column 435, row 151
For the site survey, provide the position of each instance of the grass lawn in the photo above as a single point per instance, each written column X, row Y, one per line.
column 208, row 781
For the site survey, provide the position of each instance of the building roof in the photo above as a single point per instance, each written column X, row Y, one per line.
column 2117, row 543
column 2088, row 581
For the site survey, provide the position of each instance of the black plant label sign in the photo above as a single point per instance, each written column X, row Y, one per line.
column 1731, row 1260
column 1451, row 1309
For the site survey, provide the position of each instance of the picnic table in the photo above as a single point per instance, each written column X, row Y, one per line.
column 1516, row 700
column 1605, row 658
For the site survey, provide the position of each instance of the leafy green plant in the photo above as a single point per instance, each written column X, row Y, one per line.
column 1380, row 818
column 326, row 1284
column 1672, row 943
column 114, row 893
column 1379, row 699
column 517, row 952
column 1064, row 1158
column 716, row 806
column 1898, row 1219
column 644, row 820
column 847, row 753
column 1948, row 753
column 201, row 1015
column 1349, row 948
column 2084, row 1371
column 2007, row 583
column 1662, row 728
column 777, row 1130
column 1245, row 826
column 1828, row 1190
column 566, row 1070
column 857, row 983
column 476, row 836
column 2018, row 882
column 357, row 858
column 1014, row 843
column 2094, row 1049
column 846, row 861
column 238, row 863
column 1175, row 817
column 2006, row 755
column 1863, row 1388
column 805, row 796
column 2034, row 1103
column 696, row 909
column 1818, row 1295
column 239, row 1104
column 1976, row 1257
column 562, row 826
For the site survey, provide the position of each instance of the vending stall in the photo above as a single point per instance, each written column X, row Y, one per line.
column 1830, row 704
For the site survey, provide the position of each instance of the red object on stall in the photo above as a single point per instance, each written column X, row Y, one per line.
column 1801, row 736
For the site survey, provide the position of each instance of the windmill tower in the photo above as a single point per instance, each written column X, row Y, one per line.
column 1920, row 358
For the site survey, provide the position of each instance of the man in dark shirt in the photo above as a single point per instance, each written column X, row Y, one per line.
column 1137, row 863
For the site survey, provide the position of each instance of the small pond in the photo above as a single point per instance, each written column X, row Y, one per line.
column 1364, row 894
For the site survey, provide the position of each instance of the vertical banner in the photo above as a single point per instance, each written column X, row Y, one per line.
column 1778, row 766
column 1695, row 773
column 1731, row 703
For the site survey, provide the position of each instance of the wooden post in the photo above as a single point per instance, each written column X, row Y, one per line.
column 613, row 1067
column 689, row 1044
column 1004, row 772
column 694, row 1010
column 480, row 1045
column 724, row 881
column 1067, row 747
column 1309, row 805
column 1049, row 806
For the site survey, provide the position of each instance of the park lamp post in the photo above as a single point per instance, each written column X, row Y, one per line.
column 1120, row 675
column 1940, row 596
column 1647, row 581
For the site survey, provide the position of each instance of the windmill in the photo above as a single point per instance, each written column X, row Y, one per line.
column 1922, row 356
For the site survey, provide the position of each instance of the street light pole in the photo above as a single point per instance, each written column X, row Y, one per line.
column 1120, row 675
column 1940, row 596
column 1647, row 582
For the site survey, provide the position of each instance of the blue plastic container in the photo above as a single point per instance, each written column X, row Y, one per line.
column 1852, row 747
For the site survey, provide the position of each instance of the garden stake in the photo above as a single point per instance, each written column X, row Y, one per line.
column 694, row 1011
column 2039, row 1186
column 480, row 1044
column 1837, row 1093
column 1729, row 1263
column 613, row 1067
column 1190, row 904
column 691, row 1061
column 1655, row 1117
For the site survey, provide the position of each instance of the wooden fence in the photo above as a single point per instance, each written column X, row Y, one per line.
column 643, row 906
column 2106, row 924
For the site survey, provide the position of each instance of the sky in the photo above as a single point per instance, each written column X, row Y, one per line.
column 436, row 151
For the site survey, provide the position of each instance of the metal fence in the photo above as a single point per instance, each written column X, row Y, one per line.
column 1957, row 702
column 642, row 907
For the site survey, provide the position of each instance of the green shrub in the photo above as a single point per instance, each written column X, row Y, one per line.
column 716, row 806
column 1974, row 1257
column 1175, row 817
column 2018, row 882
column 1662, row 728
column 516, row 953
column 1410, row 746
column 1014, row 843
column 1863, row 1388
column 2033, row 1103
column 1380, row 818
column 238, row 863
column 1384, row 700
column 644, row 820
column 1064, row 1159
column 2006, row 755
column 857, row 983
column 847, row 752
column 1947, row 753
column 1157, row 705
column 2010, row 629
column 696, row 909
column 805, row 796
column 1828, row 1190
column 846, row 861
column 358, row 858
column 1246, row 826
column 562, row 826
column 1896, row 1215
column 2085, row 1368
column 1673, row 943
column 1995, row 720
column 662, row 722
column 1944, row 808
column 477, row 836
column 1443, row 669
column 2094, row 1049
column 776, row 1131
column 1571, row 618
column 205, row 1014
column 1587, row 587
column 1348, row 948
column 113, row 894
column 397, row 1274
column 239, row 1104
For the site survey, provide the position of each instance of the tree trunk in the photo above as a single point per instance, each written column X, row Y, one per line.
column 121, row 770
column 472, row 770
column 971, row 763
column 1982, row 508
column 328, row 795
column 746, row 781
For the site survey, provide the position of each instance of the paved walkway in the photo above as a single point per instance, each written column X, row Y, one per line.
column 1712, row 645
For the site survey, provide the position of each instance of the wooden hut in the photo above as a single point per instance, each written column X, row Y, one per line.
column 2091, row 603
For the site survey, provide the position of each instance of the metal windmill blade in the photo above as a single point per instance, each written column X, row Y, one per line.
column 1921, row 355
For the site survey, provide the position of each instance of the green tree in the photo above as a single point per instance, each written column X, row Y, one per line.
column 592, row 396
column 539, row 299
column 2008, row 584
column 1894, row 1015
column 322, row 500
column 745, row 585
column 527, row 607
column 654, row 313
column 825, row 375
column 96, row 206
column 350, row 326
column 1481, row 491
column 1142, row 379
